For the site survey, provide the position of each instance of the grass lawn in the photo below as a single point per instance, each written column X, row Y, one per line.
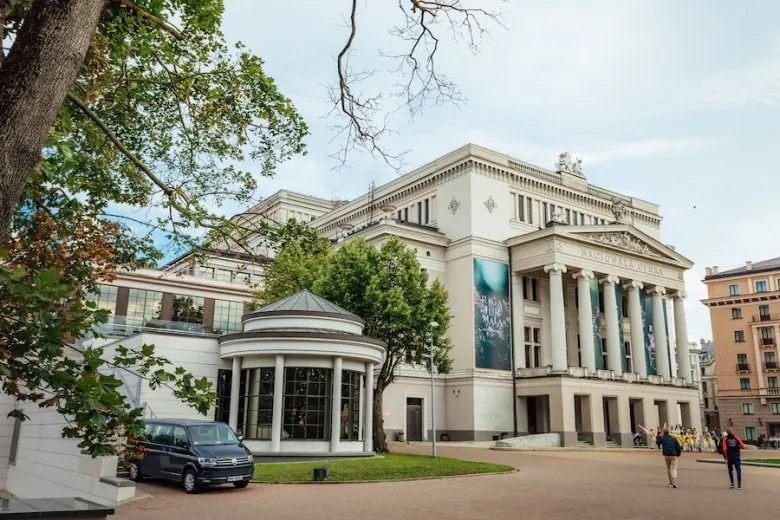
column 774, row 462
column 389, row 467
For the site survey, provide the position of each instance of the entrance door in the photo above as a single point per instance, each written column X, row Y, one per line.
column 533, row 426
column 414, row 416
column 607, row 425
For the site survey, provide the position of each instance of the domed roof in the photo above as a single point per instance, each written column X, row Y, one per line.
column 302, row 304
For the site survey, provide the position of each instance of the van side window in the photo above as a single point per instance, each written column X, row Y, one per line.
column 180, row 437
column 163, row 434
column 147, row 433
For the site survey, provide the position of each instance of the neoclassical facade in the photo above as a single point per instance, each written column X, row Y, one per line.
column 297, row 378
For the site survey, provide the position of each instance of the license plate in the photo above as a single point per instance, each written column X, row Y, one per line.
column 234, row 479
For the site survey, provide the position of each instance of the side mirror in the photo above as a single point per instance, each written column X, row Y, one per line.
column 240, row 438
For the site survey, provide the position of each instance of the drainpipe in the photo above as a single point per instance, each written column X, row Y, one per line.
column 512, row 347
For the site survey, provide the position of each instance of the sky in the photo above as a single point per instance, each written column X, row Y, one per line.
column 672, row 102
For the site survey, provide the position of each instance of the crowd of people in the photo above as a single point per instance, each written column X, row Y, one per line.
column 689, row 438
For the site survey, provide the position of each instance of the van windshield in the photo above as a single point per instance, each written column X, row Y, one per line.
column 212, row 434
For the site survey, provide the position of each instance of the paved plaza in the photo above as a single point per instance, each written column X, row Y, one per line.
column 549, row 485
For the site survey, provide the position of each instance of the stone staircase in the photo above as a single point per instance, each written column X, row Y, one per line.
column 611, row 444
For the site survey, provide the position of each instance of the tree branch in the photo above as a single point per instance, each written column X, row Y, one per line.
column 165, row 25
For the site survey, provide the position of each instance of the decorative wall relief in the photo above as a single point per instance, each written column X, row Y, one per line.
column 490, row 204
column 453, row 205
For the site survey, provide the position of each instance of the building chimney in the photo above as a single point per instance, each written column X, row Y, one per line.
column 748, row 265
column 714, row 269
column 707, row 271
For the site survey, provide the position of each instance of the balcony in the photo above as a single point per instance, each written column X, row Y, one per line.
column 770, row 365
column 765, row 317
column 120, row 326
column 773, row 390
column 743, row 368
column 767, row 342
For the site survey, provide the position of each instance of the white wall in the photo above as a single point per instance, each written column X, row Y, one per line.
column 394, row 402
column 493, row 406
column 48, row 466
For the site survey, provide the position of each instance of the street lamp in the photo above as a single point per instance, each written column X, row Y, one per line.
column 433, row 325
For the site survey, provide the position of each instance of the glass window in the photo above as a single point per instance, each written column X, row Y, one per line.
column 776, row 408
column 419, row 213
column 739, row 336
column 227, row 316
column 744, row 383
column 763, row 312
column 427, row 211
column 105, row 297
column 747, row 408
column 162, row 434
column 772, row 382
column 257, row 394
column 212, row 434
column 736, row 313
column 521, row 208
column 350, row 405
column 769, row 357
column 204, row 272
column 188, row 309
column 223, row 275
column 224, row 381
column 180, row 437
column 242, row 278
column 750, row 433
column 143, row 306
column 734, row 290
column 531, row 218
column 307, row 403
column 761, row 286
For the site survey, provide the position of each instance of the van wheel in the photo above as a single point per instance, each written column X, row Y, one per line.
column 135, row 473
column 242, row 484
column 190, row 481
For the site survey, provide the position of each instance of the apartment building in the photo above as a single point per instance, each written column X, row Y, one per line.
column 744, row 305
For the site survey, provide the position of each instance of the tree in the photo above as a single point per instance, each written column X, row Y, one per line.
column 387, row 288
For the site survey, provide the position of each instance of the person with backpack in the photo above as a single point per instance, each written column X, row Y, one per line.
column 671, row 449
column 731, row 452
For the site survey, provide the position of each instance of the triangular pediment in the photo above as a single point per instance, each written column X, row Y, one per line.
column 629, row 239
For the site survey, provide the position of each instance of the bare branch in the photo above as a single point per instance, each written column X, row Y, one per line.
column 423, row 85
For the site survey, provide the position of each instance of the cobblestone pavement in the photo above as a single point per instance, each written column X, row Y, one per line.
column 550, row 485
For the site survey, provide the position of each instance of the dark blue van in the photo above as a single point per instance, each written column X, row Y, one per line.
column 196, row 453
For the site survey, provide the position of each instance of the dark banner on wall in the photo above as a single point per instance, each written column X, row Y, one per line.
column 647, row 319
column 491, row 315
column 619, row 297
column 595, row 308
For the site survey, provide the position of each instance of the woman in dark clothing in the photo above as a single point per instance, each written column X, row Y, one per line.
column 731, row 452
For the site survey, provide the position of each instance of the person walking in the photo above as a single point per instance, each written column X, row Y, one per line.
column 671, row 451
column 731, row 452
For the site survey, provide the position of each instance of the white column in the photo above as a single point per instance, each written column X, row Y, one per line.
column 570, row 307
column 662, row 362
column 638, row 355
column 276, row 418
column 681, row 335
column 614, row 358
column 335, row 414
column 368, row 426
column 557, row 317
column 518, row 321
column 252, row 410
column 545, row 359
column 235, row 391
column 585, row 313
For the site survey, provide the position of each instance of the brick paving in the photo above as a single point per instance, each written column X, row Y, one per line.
column 549, row 485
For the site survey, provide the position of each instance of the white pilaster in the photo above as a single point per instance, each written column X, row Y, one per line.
column 614, row 357
column 335, row 414
column 570, row 311
column 638, row 355
column 585, row 314
column 557, row 317
column 368, row 426
column 235, row 392
column 518, row 321
column 276, row 418
column 681, row 335
column 662, row 361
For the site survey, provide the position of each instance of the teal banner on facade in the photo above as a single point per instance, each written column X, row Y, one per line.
column 491, row 315
column 619, row 297
column 595, row 308
column 647, row 320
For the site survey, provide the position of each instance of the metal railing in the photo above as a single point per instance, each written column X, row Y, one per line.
column 770, row 365
column 743, row 367
column 767, row 342
column 765, row 317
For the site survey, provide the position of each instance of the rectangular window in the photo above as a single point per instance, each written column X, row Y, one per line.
column 398, row 216
column 769, row 357
column 734, row 290
column 188, row 309
column 582, row 219
column 204, row 272
column 307, row 403
column 771, row 381
column 750, row 433
column 222, row 410
column 744, row 383
column 742, row 359
column 143, row 307
column 406, row 214
column 576, row 219
column 736, row 313
column 257, row 396
column 747, row 408
column 223, row 275
column 761, row 286
column 552, row 212
column 427, row 211
column 775, row 408
column 763, row 313
column 604, row 352
column 545, row 220
column 227, row 316
column 350, row 405
column 521, row 208
column 531, row 215
column 534, row 289
column 766, row 334
column 628, row 365
column 739, row 336
column 419, row 213
column 568, row 216
column 105, row 297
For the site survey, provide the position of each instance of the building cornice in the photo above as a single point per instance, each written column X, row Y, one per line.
column 154, row 277
column 742, row 299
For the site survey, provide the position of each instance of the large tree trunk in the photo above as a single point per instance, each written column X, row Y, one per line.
column 35, row 77
column 380, row 439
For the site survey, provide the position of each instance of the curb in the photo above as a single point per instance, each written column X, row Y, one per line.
column 414, row 479
column 578, row 450
column 756, row 464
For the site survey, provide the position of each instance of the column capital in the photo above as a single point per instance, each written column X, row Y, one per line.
column 610, row 279
column 560, row 268
column 633, row 284
column 656, row 290
column 680, row 295
column 585, row 273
